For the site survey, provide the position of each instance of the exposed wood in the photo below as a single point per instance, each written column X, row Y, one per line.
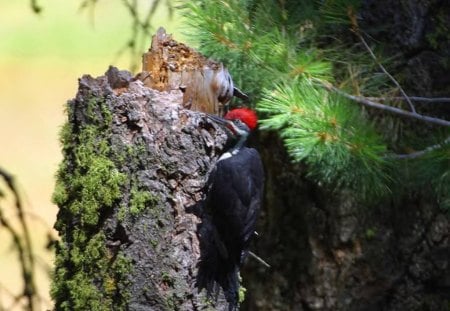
column 171, row 65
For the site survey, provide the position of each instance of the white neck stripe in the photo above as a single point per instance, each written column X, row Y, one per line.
column 226, row 155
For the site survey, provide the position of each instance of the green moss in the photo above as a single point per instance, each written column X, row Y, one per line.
column 209, row 303
column 87, row 276
column 65, row 134
column 94, row 184
column 110, row 286
column 140, row 200
column 60, row 194
column 80, row 289
column 135, row 154
column 167, row 278
column 242, row 291
column 91, row 258
column 122, row 212
column 370, row 233
column 122, row 267
column 171, row 303
column 136, row 150
column 154, row 243
column 97, row 111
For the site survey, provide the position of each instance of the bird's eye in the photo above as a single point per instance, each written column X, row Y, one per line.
column 239, row 123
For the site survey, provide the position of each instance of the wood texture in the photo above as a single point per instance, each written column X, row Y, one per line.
column 171, row 65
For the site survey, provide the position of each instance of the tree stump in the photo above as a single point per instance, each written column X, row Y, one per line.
column 133, row 175
column 171, row 65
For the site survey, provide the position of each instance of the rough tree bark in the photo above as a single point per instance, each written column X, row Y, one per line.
column 133, row 175
column 330, row 252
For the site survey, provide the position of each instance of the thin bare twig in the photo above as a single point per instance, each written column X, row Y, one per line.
column 418, row 154
column 369, row 103
column 24, row 246
column 89, row 5
column 141, row 29
column 259, row 259
column 411, row 106
column 21, row 252
column 35, row 6
column 413, row 98
column 15, row 299
column 30, row 289
column 134, row 12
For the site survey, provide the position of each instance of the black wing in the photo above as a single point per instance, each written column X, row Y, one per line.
column 235, row 199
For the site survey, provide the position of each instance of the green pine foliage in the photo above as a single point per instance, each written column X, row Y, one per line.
column 432, row 171
column 337, row 12
column 284, row 54
column 329, row 134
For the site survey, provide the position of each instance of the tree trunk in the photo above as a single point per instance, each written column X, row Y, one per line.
column 330, row 252
column 129, row 191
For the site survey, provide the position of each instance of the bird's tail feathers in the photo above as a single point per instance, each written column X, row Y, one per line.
column 217, row 272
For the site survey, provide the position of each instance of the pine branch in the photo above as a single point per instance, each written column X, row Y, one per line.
column 365, row 101
column 418, row 154
column 357, row 32
column 411, row 106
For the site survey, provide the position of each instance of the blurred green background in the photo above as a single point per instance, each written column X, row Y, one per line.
column 41, row 58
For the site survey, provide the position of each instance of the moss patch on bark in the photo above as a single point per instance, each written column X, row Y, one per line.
column 88, row 276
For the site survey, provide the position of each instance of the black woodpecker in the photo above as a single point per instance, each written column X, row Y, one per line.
column 233, row 202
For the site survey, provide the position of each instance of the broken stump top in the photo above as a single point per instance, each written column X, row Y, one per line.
column 170, row 65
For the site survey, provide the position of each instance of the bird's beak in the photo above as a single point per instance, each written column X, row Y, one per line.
column 226, row 124
column 218, row 120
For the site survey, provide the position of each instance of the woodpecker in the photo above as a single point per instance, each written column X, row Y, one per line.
column 233, row 201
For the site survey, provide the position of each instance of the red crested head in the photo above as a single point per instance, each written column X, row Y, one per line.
column 246, row 115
